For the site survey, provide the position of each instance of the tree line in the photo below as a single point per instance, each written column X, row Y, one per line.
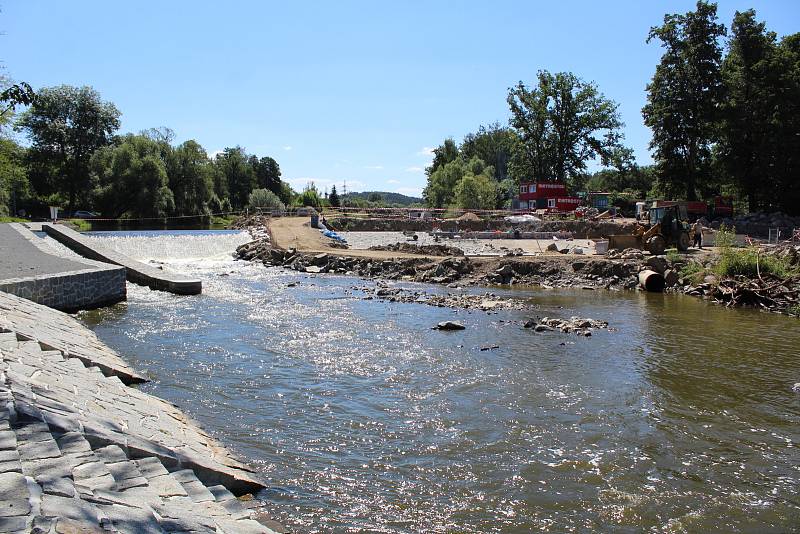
column 722, row 107
column 77, row 160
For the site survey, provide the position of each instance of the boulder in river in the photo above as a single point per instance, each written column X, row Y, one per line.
column 449, row 325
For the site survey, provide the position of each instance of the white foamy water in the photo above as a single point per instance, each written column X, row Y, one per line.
column 174, row 248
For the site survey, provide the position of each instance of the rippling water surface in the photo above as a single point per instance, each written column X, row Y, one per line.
column 681, row 418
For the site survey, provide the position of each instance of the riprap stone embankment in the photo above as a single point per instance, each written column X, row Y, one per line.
column 80, row 451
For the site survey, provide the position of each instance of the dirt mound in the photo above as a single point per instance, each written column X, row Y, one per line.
column 469, row 216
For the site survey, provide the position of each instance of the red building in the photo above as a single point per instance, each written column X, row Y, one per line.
column 546, row 195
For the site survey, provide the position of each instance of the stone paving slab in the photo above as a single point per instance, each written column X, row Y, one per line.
column 70, row 480
column 60, row 332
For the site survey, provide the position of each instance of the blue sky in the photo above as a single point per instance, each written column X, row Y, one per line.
column 335, row 91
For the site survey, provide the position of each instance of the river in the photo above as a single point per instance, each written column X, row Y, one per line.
column 680, row 418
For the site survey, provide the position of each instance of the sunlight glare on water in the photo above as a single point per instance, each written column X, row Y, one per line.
column 681, row 418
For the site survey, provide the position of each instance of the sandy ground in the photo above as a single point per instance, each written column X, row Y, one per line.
column 471, row 247
column 296, row 232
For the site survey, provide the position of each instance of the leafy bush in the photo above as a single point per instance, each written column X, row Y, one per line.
column 673, row 256
column 264, row 199
column 748, row 262
column 693, row 271
column 725, row 237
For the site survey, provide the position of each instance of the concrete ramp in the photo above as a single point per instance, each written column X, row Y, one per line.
column 137, row 272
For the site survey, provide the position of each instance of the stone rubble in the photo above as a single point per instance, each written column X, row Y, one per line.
column 576, row 325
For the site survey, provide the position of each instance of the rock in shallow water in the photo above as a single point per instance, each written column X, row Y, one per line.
column 449, row 325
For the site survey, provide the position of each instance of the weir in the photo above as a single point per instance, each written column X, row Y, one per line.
column 136, row 272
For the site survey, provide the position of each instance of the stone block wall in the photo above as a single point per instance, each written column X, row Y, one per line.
column 71, row 291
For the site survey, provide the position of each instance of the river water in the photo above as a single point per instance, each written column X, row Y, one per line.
column 680, row 418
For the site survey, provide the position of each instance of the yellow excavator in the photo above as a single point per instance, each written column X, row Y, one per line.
column 668, row 227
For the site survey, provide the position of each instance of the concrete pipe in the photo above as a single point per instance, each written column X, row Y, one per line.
column 651, row 281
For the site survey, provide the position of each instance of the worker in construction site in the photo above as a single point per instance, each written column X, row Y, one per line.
column 698, row 234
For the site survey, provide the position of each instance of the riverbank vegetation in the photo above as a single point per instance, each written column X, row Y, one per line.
column 722, row 105
column 78, row 161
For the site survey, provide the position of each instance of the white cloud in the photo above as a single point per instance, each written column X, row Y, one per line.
column 287, row 147
column 214, row 153
column 410, row 191
column 392, row 181
column 415, row 169
column 374, row 167
column 426, row 151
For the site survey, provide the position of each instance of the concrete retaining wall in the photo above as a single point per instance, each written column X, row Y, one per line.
column 99, row 284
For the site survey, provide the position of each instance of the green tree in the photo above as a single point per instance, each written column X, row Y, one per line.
column 237, row 174
column 442, row 155
column 264, row 199
column 785, row 181
column 286, row 193
column 309, row 197
column 562, row 124
column 441, row 189
column 14, row 187
column 493, row 144
column 190, row 179
column 333, row 198
column 13, row 95
column 131, row 179
column 683, row 98
column 478, row 192
column 759, row 134
column 66, row 125
column 267, row 173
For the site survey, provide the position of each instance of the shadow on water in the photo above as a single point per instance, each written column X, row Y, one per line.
column 681, row 417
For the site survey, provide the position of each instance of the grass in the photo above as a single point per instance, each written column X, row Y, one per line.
column 694, row 272
column 794, row 310
column 673, row 255
column 81, row 225
column 747, row 261
column 12, row 220
column 223, row 221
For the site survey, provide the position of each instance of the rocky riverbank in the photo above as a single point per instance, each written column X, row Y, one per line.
column 617, row 270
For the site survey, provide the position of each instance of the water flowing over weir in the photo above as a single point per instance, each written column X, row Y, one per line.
column 681, row 417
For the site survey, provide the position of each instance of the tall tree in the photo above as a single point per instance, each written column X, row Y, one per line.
column 131, row 179
column 562, row 124
column 442, row 155
column 333, row 198
column 190, row 178
column 66, row 125
column 267, row 172
column 683, row 98
column 239, row 175
column 443, row 183
column 14, row 188
column 744, row 141
column 494, row 145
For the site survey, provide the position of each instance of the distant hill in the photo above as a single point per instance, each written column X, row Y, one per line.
column 389, row 198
